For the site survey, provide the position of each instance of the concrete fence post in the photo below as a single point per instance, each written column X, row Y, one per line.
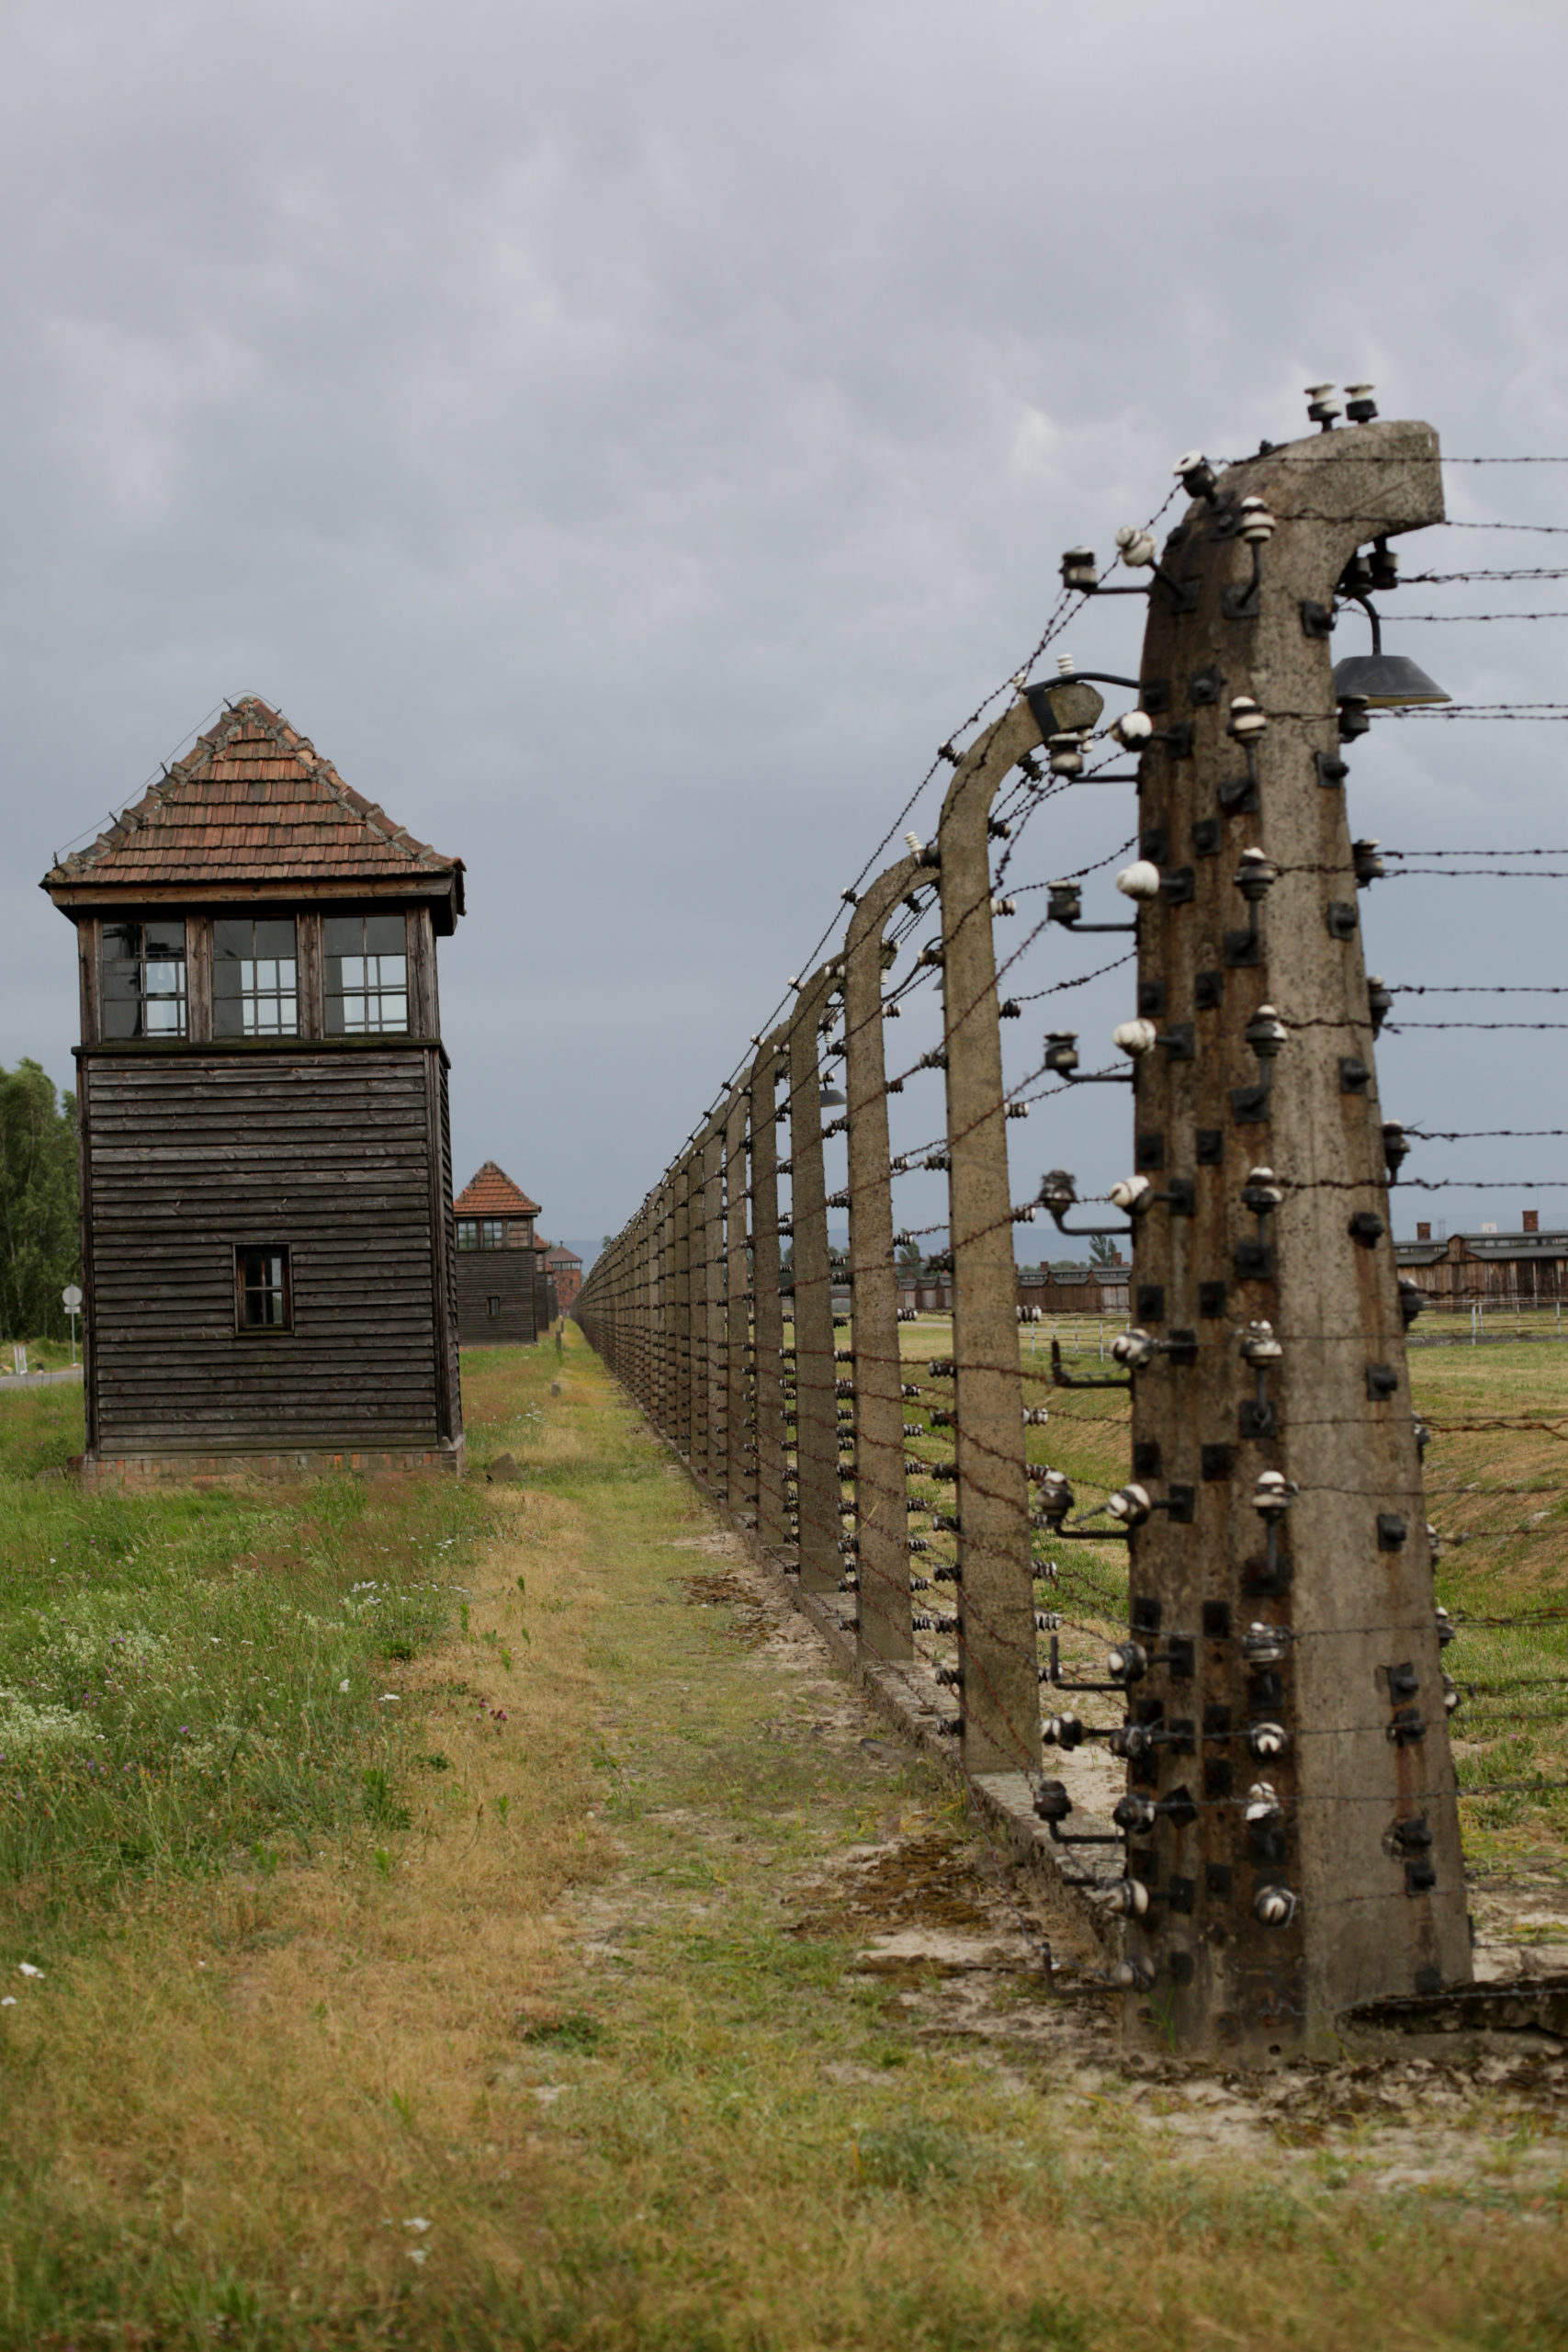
column 768, row 1434
column 1304, row 1854
column 738, row 1452
column 816, row 1432
column 681, row 1253
column 1001, row 1690
column 881, row 1514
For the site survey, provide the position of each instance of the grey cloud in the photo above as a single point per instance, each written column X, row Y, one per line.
column 628, row 439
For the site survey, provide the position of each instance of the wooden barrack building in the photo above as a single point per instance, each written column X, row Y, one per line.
column 268, row 1237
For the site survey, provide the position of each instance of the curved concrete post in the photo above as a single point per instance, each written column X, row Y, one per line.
column 767, row 1434
column 681, row 1255
column 738, row 1450
column 881, row 1516
column 997, row 1645
column 1365, row 1843
column 817, row 1426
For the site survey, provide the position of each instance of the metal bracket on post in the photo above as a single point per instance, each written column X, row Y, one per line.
column 882, row 1553
column 1297, row 1911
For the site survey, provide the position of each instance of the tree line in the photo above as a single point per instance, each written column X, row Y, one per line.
column 40, row 1246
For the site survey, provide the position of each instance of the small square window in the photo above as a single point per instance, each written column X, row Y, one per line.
column 492, row 1309
column 467, row 1233
column 264, row 1289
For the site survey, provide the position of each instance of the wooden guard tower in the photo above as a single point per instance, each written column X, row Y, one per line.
column 268, row 1237
column 498, row 1262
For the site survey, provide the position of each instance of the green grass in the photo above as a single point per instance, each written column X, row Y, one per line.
column 185, row 1677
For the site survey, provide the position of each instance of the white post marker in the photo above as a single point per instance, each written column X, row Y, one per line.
column 71, row 1299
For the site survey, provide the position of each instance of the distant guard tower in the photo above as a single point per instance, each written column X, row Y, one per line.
column 268, row 1238
column 498, row 1280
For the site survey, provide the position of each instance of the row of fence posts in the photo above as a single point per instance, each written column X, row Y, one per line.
column 1292, row 1845
column 688, row 1305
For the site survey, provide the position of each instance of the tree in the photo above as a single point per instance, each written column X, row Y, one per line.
column 1102, row 1250
column 41, row 1246
column 910, row 1261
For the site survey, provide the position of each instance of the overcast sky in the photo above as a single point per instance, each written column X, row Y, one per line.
column 628, row 438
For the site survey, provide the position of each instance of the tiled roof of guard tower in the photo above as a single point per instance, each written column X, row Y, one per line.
column 253, row 801
column 492, row 1194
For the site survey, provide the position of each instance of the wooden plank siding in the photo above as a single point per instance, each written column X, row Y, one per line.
column 188, row 1154
column 447, row 1254
column 505, row 1274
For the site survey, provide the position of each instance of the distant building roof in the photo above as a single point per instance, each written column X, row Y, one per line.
column 561, row 1255
column 253, row 802
column 492, row 1193
column 1483, row 1245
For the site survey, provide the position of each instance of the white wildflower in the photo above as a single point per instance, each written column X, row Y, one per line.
column 24, row 1726
column 26, row 1968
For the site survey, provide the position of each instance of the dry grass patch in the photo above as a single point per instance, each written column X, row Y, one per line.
column 588, row 2053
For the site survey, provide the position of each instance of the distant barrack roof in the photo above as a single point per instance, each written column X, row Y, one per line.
column 492, row 1194
column 254, row 803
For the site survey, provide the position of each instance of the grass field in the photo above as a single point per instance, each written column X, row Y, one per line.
column 520, row 1994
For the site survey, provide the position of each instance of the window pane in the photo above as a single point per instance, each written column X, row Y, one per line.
column 144, row 979
column 367, row 974
column 121, row 971
column 263, row 1290
column 252, row 981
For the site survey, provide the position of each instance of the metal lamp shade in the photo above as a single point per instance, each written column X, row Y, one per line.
column 1384, row 680
column 830, row 1095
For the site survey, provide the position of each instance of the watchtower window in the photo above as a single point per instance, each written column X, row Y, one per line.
column 481, row 1233
column 263, row 1290
column 254, row 978
column 368, row 974
column 144, row 979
